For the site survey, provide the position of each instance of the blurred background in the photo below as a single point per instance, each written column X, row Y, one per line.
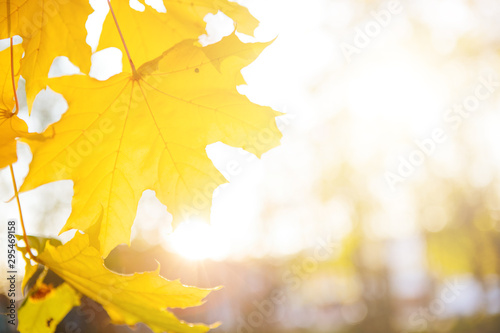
column 379, row 212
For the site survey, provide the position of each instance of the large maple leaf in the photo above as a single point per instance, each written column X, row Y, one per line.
column 149, row 130
column 49, row 28
column 147, row 34
column 122, row 296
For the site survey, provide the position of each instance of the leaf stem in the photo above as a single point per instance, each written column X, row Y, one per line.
column 25, row 237
column 134, row 71
column 9, row 24
column 13, row 74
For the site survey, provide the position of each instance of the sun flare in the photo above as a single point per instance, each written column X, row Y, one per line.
column 196, row 240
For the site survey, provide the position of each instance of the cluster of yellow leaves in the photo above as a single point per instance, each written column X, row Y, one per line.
column 145, row 128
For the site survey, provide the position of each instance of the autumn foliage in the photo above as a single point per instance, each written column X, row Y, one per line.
column 145, row 128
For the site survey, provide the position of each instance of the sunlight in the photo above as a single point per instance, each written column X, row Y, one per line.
column 197, row 240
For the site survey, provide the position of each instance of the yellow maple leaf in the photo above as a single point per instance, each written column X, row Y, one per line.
column 148, row 33
column 123, row 296
column 11, row 126
column 149, row 130
column 49, row 29
column 45, row 307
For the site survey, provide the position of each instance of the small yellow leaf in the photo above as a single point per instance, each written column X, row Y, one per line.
column 11, row 126
column 29, row 270
column 7, row 101
column 128, row 299
column 49, row 29
column 45, row 307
